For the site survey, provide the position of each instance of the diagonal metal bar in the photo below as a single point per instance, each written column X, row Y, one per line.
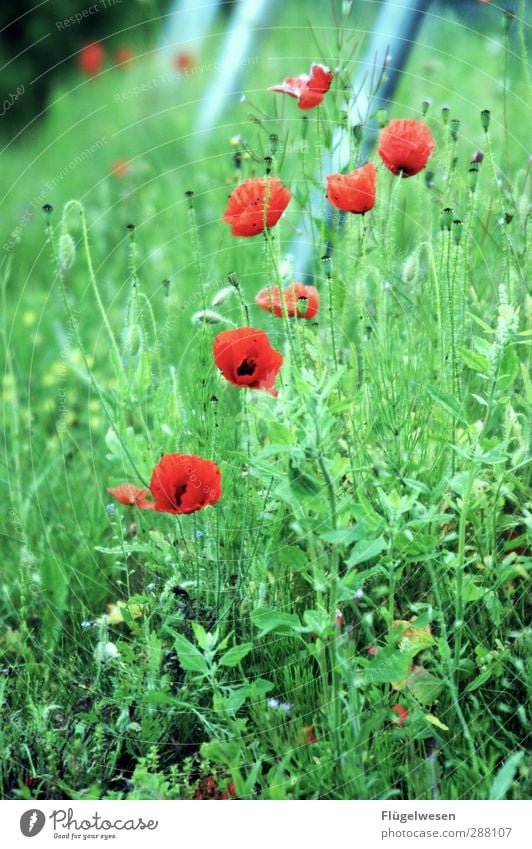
column 395, row 32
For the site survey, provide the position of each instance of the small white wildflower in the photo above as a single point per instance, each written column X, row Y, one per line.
column 104, row 652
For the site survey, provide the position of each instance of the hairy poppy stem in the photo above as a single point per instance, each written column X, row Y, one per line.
column 92, row 277
column 74, row 328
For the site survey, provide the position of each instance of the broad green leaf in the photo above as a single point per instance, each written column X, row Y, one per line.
column 234, row 655
column 424, row 686
column 505, row 776
column 366, row 550
column 474, row 360
column 389, row 665
column 447, row 402
column 190, row 657
column 267, row 620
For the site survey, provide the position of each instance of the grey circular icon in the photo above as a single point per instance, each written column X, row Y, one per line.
column 32, row 822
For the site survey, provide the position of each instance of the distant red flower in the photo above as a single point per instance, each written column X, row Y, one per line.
column 246, row 358
column 402, row 714
column 128, row 493
column 310, row 736
column 300, row 300
column 208, row 789
column 245, row 208
column 354, row 192
column 405, row 146
column 308, row 89
column 184, row 483
column 124, row 56
column 372, row 651
column 90, row 58
column 184, row 61
column 120, row 167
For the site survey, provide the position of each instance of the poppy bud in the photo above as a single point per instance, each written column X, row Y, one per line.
column 358, row 132
column 473, row 177
column 233, row 280
column 222, row 296
column 477, row 158
column 485, row 117
column 454, row 128
column 446, row 218
column 411, row 268
column 445, row 114
column 457, row 231
column 382, row 118
column 425, row 107
column 66, row 252
column 339, row 619
column 134, row 340
column 207, row 317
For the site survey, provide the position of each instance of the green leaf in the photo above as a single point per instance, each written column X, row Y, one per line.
column 388, row 665
column 235, row 654
column 447, row 402
column 267, row 620
column 366, row 550
column 473, row 360
column 505, row 776
column 190, row 657
column 424, row 686
column 343, row 536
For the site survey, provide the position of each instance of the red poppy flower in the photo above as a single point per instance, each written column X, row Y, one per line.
column 124, row 56
column 354, row 192
column 402, row 714
column 184, row 483
column 128, row 493
column 300, row 300
column 91, row 58
column 245, row 208
column 208, row 789
column 184, row 61
column 405, row 146
column 246, row 358
column 308, row 89
column 310, row 736
column 120, row 167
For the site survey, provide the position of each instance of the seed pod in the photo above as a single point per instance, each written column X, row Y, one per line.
column 382, row 118
column 358, row 132
column 457, row 231
column 473, row 177
column 454, row 128
column 446, row 218
column 66, row 252
column 485, row 117
column 425, row 107
column 445, row 114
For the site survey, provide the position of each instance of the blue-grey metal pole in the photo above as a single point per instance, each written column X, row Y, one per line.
column 393, row 37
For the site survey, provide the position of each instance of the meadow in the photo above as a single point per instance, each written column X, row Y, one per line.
column 341, row 613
